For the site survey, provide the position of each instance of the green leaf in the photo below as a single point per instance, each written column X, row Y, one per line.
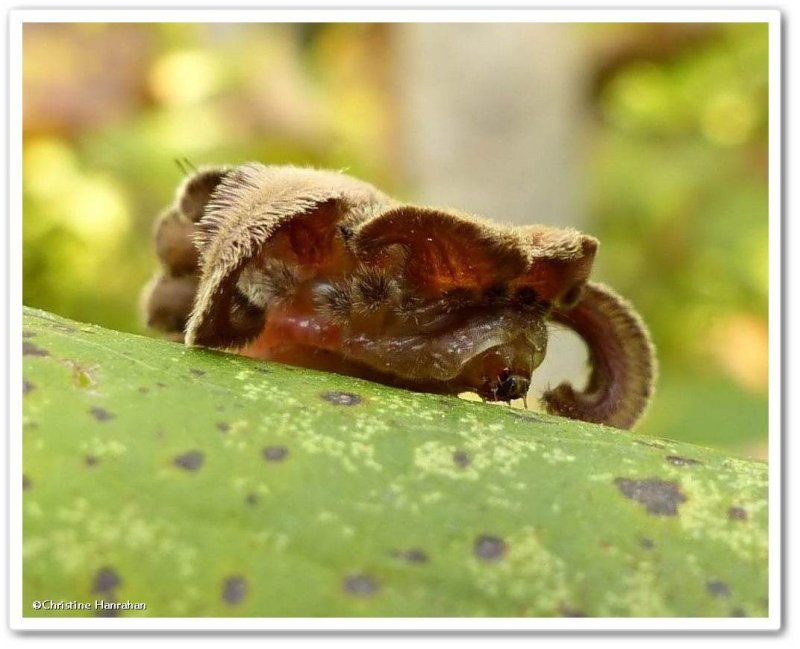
column 204, row 484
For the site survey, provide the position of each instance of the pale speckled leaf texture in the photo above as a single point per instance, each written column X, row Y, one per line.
column 205, row 484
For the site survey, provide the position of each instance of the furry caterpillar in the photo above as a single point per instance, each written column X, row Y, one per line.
column 317, row 269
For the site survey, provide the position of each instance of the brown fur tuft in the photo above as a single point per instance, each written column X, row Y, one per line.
column 372, row 289
column 195, row 192
column 334, row 302
column 276, row 282
column 168, row 298
column 174, row 244
column 167, row 302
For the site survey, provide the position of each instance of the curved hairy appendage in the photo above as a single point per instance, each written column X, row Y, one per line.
column 622, row 360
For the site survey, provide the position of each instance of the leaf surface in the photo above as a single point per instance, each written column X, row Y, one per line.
column 205, row 484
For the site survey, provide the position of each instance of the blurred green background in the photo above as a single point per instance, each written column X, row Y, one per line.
column 673, row 170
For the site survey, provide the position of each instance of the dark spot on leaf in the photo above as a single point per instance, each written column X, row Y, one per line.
column 27, row 387
column 160, row 384
column 26, row 483
column 234, row 589
column 27, row 333
column 360, row 585
column 105, row 581
column 461, row 459
column 681, row 461
column 223, row 426
column 412, row 555
column 251, row 499
column 568, row 611
column 190, row 461
column 91, row 460
column 101, row 414
column 29, row 349
column 196, row 372
column 718, row 588
column 738, row 612
column 646, row 543
column 659, row 496
column 144, row 390
column 275, row 453
column 341, row 398
column 737, row 514
column 489, row 548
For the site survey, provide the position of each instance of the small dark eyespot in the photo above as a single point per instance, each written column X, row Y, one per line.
column 496, row 293
column 346, row 231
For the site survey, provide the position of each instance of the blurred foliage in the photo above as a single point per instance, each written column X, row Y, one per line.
column 680, row 202
column 677, row 172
